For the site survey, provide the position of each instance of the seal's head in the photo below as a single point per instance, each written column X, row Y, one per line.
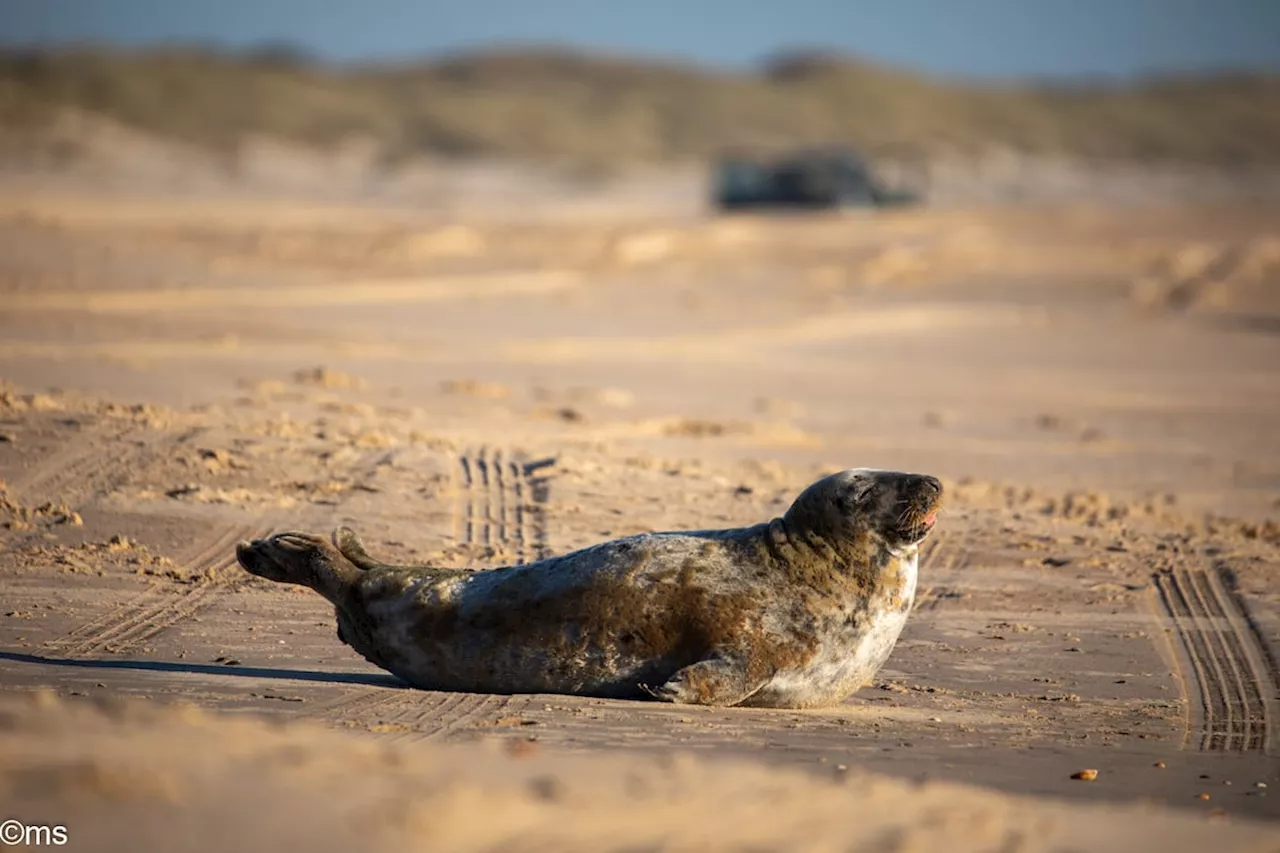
column 892, row 507
column 297, row 558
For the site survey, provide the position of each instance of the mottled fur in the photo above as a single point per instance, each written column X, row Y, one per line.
column 796, row 612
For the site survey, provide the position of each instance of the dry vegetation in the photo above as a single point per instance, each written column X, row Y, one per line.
column 594, row 111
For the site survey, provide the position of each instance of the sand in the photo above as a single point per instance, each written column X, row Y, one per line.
column 122, row 777
column 1096, row 387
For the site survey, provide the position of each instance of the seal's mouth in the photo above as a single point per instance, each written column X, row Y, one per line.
column 923, row 514
column 917, row 532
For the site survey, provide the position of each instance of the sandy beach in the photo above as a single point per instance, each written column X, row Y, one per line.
column 1096, row 386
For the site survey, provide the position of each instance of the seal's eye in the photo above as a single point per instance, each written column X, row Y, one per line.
column 856, row 495
column 862, row 491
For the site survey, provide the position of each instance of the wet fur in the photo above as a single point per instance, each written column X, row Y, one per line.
column 796, row 612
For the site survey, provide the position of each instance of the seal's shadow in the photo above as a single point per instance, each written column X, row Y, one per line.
column 372, row 679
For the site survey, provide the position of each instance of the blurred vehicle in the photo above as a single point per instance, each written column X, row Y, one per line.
column 811, row 178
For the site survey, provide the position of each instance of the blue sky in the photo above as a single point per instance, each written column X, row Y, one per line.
column 971, row 38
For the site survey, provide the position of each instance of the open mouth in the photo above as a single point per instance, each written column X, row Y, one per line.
column 922, row 528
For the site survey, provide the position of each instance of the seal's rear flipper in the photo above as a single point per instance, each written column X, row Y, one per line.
column 353, row 549
column 719, row 680
column 301, row 559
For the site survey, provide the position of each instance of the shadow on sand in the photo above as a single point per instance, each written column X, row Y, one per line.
column 370, row 679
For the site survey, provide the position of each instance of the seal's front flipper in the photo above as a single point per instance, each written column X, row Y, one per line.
column 719, row 680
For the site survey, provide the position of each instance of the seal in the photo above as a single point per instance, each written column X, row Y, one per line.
column 796, row 612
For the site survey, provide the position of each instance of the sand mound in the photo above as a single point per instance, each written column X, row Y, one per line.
column 122, row 777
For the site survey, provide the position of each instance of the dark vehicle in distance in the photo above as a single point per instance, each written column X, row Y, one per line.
column 818, row 179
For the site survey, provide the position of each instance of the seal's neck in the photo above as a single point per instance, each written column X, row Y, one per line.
column 905, row 552
column 803, row 540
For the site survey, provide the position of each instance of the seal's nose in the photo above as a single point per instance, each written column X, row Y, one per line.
column 930, row 485
column 244, row 552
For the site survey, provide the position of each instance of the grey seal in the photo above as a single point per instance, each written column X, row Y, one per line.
column 796, row 612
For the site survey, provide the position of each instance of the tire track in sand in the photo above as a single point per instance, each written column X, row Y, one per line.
column 501, row 503
column 940, row 565
column 357, row 706
column 1220, row 651
column 92, row 462
column 500, row 500
column 410, row 715
column 405, row 714
column 98, row 461
column 473, row 710
column 135, row 621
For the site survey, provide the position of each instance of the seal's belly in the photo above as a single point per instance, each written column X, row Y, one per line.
column 602, row 621
column 850, row 657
